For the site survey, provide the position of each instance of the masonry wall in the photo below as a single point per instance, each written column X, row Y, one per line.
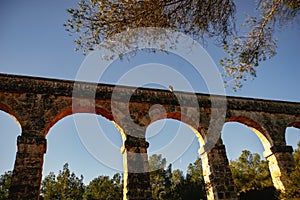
column 38, row 103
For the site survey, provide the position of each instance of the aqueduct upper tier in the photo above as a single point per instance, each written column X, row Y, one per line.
column 38, row 103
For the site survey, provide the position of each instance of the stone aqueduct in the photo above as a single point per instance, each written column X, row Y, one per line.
column 38, row 103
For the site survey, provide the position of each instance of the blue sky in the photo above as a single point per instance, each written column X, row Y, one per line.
column 33, row 42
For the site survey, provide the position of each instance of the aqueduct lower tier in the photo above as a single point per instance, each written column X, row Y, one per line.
column 38, row 103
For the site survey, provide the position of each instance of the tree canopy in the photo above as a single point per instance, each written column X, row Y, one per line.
column 97, row 20
column 171, row 184
column 103, row 187
column 5, row 180
column 250, row 172
column 166, row 184
column 65, row 186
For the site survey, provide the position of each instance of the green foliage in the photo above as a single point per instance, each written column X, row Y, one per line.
column 4, row 185
column 194, row 172
column 168, row 185
column 159, row 177
column 257, row 42
column 98, row 20
column 104, row 188
column 48, row 187
column 195, row 186
column 156, row 162
column 250, row 173
column 65, row 186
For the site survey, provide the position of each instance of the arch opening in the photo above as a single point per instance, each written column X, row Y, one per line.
column 292, row 136
column 175, row 140
column 249, row 172
column 10, row 130
column 238, row 137
column 91, row 147
column 249, row 125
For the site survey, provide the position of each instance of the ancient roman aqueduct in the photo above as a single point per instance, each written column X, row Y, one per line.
column 38, row 103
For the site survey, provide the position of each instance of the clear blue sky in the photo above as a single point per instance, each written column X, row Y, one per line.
column 33, row 42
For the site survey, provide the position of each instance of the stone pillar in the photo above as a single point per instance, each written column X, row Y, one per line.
column 281, row 163
column 136, row 169
column 217, row 174
column 27, row 173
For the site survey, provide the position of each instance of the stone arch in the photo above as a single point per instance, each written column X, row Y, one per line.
column 97, row 111
column 295, row 124
column 239, row 137
column 261, row 133
column 207, row 159
column 192, row 124
column 69, row 111
column 9, row 111
column 292, row 127
column 279, row 157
